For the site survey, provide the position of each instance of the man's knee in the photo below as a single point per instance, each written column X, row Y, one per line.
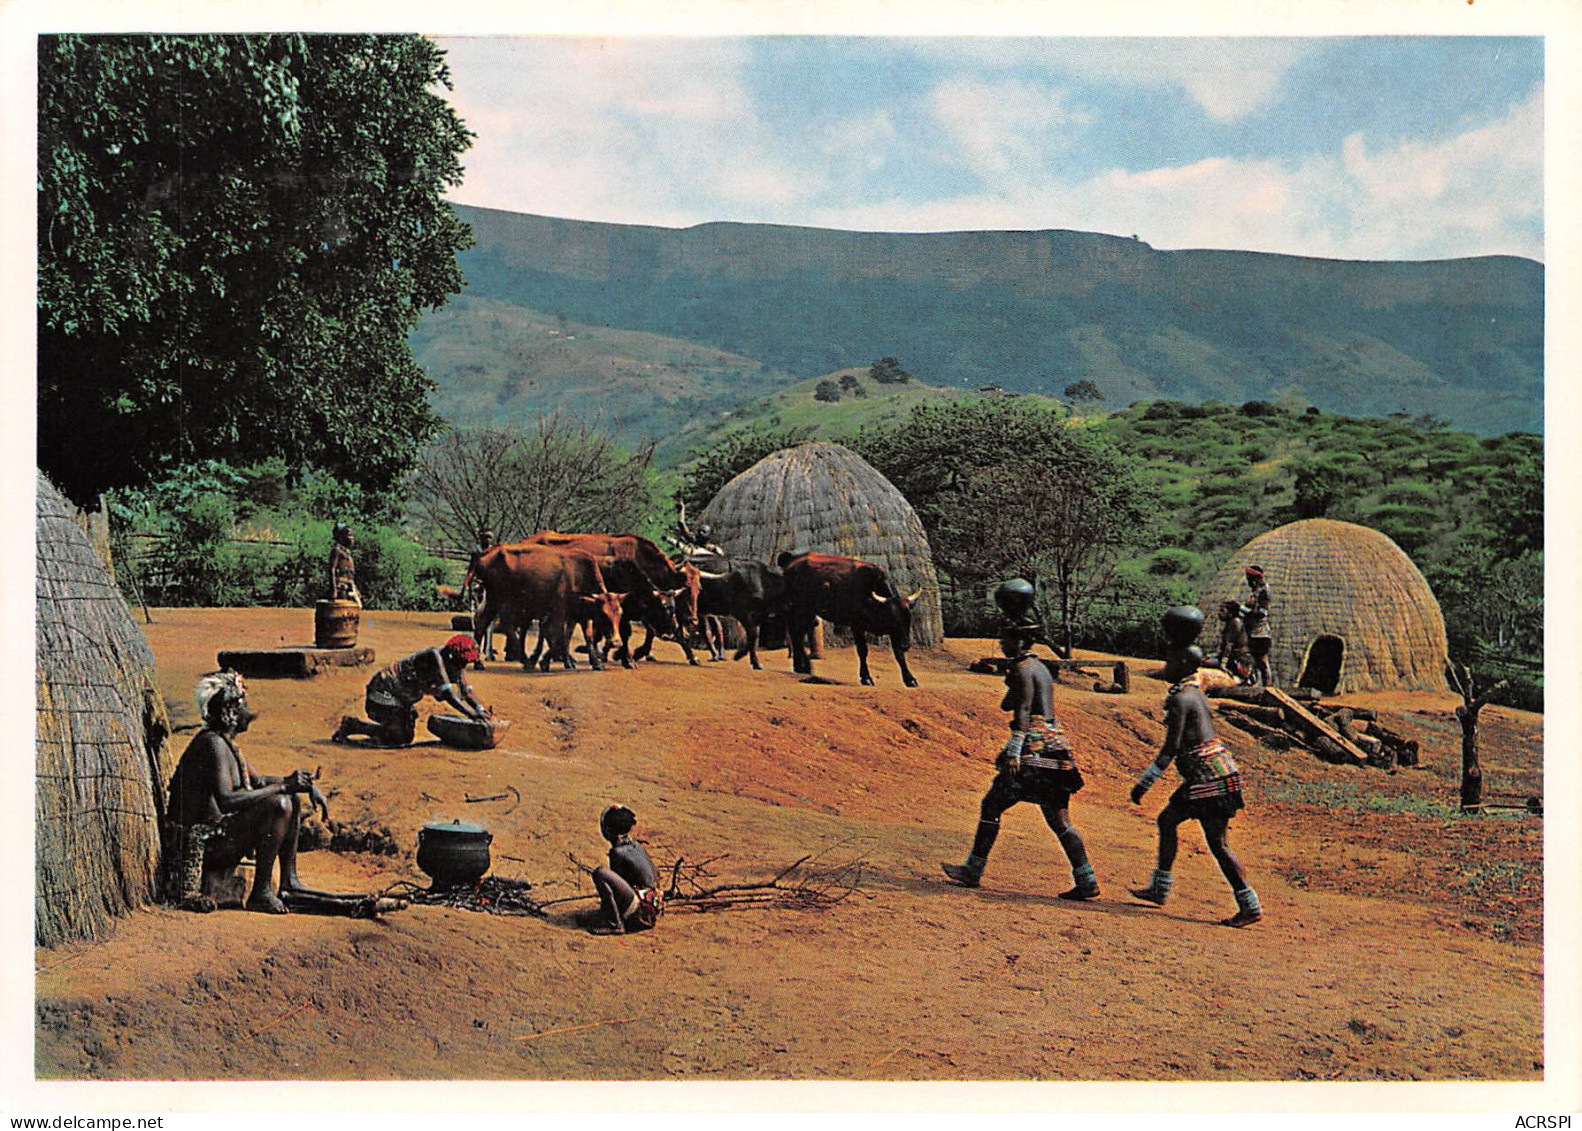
column 1059, row 820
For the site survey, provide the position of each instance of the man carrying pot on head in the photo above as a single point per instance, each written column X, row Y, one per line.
column 394, row 693
column 1036, row 765
column 1210, row 790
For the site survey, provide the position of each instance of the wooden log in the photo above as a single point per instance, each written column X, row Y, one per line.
column 1238, row 694
column 1273, row 737
column 1269, row 716
column 1315, row 727
column 1404, row 750
column 1364, row 714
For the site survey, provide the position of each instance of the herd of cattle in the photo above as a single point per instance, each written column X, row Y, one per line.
column 606, row 583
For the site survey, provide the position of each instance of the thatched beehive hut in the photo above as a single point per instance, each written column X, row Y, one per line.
column 103, row 753
column 826, row 498
column 1351, row 612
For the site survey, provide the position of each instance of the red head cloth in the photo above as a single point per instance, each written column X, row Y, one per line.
column 1254, row 571
column 463, row 648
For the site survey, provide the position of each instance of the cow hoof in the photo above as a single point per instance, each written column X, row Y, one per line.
column 477, row 666
column 867, row 681
column 910, row 682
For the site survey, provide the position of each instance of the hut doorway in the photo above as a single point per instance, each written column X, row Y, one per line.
column 1321, row 670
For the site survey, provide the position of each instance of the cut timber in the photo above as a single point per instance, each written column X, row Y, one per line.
column 291, row 663
column 1316, row 726
column 1268, row 716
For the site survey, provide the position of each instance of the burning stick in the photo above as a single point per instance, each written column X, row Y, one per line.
column 496, row 797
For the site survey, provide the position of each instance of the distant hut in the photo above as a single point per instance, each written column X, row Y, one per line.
column 103, row 753
column 825, row 497
column 1351, row 612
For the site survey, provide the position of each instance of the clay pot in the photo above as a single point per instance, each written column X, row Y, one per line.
column 453, row 853
column 335, row 624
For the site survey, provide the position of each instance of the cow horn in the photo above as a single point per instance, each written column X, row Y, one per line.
column 881, row 598
column 912, row 598
column 712, row 576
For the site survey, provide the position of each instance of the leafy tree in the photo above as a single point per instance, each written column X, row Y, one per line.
column 565, row 473
column 714, row 467
column 848, row 382
column 888, row 371
column 1081, row 391
column 827, row 391
column 235, row 236
column 1005, row 489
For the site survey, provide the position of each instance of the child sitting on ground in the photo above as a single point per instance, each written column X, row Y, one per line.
column 629, row 887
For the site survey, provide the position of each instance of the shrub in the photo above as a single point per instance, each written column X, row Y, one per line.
column 1173, row 562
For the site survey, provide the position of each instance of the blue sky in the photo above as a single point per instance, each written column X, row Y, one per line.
column 1364, row 148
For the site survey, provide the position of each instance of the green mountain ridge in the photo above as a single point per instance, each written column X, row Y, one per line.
column 1030, row 311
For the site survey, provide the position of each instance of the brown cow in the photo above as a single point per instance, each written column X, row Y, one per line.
column 654, row 562
column 850, row 592
column 558, row 584
column 676, row 585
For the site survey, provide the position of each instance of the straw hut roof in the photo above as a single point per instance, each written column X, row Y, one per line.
column 103, row 753
column 826, row 498
column 1350, row 611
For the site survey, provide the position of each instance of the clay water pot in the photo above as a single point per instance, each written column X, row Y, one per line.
column 453, row 853
column 335, row 624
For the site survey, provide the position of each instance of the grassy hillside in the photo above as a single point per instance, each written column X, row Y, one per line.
column 1035, row 311
column 863, row 403
column 499, row 364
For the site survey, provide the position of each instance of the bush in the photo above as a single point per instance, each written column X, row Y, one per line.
column 1172, row 562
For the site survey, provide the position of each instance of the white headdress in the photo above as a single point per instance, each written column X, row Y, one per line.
column 227, row 685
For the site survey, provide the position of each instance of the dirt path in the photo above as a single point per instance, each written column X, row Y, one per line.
column 1400, row 943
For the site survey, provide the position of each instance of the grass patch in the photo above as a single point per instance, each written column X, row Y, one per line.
column 1344, row 795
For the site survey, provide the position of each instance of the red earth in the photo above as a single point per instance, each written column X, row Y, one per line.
column 1402, row 941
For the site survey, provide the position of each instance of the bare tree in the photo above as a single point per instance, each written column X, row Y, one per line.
column 564, row 473
column 1467, row 716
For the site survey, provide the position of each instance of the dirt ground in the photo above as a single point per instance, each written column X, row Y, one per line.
column 1401, row 942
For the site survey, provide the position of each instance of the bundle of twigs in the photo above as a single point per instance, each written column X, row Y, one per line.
column 492, row 894
column 808, row 883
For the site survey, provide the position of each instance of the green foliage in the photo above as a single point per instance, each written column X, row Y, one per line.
column 1084, row 390
column 827, row 391
column 888, row 371
column 717, row 465
column 218, row 535
column 1007, row 488
column 235, row 236
column 1469, row 512
column 1171, row 562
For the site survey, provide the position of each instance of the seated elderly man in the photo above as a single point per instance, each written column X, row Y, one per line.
column 240, row 811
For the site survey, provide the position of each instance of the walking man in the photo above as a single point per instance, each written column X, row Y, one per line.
column 1036, row 765
column 1210, row 791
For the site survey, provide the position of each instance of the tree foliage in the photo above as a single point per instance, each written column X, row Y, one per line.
column 714, row 467
column 1005, row 489
column 565, row 473
column 235, row 235
column 888, row 371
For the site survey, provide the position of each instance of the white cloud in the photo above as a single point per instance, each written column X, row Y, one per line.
column 602, row 128
column 1003, row 128
column 1478, row 192
column 1228, row 78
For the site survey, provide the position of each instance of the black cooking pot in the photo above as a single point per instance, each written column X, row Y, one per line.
column 453, row 853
